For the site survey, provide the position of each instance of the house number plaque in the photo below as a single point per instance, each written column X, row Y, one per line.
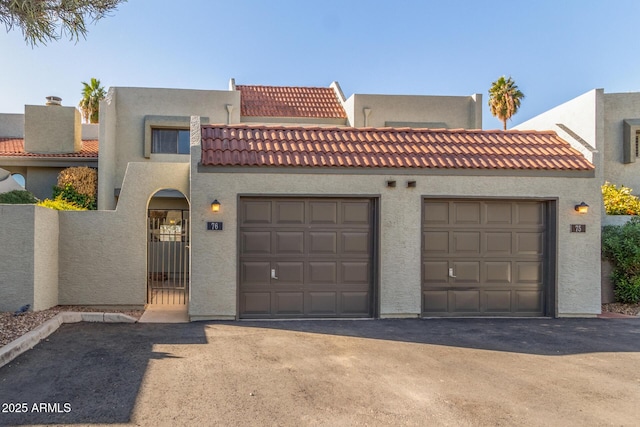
column 214, row 226
column 578, row 228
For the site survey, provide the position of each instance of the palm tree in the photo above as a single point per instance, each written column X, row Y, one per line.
column 92, row 94
column 504, row 99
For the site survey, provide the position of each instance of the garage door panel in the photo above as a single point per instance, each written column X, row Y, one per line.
column 465, row 301
column 323, row 273
column 466, row 243
column 498, row 272
column 323, row 242
column 289, row 242
column 436, row 213
column 529, row 301
column 354, row 273
column 498, row 213
column 498, row 244
column 435, row 301
column 467, row 213
column 289, row 273
column 497, row 301
column 255, row 212
column 323, row 303
column 255, row 303
column 529, row 272
column 530, row 213
column 355, row 303
column 290, row 212
column 466, row 271
column 289, row 303
column 353, row 243
column 356, row 213
column 435, row 272
column 436, row 242
column 323, row 212
column 529, row 243
column 255, row 242
column 496, row 249
column 255, row 273
column 305, row 257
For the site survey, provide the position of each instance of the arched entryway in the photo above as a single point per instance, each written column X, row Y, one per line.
column 168, row 248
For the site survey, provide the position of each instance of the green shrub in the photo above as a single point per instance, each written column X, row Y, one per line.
column 69, row 193
column 61, row 205
column 621, row 246
column 18, row 197
column 619, row 200
column 628, row 291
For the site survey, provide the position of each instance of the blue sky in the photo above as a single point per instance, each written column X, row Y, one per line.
column 554, row 49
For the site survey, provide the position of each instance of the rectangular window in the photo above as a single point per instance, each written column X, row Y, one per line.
column 170, row 141
column 637, row 148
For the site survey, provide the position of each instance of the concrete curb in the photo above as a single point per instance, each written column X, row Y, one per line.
column 26, row 342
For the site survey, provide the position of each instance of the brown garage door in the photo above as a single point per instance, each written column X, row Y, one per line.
column 305, row 257
column 483, row 258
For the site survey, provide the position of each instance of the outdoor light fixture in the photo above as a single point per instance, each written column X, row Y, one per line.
column 215, row 206
column 582, row 208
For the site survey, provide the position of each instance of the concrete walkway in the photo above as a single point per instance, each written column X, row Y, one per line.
column 165, row 313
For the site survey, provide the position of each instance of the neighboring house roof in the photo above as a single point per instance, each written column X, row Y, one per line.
column 288, row 101
column 14, row 147
column 246, row 145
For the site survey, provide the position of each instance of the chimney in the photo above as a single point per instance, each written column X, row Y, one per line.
column 52, row 128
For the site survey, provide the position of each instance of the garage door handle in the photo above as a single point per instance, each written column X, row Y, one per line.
column 451, row 273
column 273, row 274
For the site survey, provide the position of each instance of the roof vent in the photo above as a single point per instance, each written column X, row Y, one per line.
column 54, row 100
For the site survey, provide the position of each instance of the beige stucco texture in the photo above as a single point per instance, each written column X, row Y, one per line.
column 28, row 257
column 103, row 255
column 128, row 107
column 214, row 254
column 453, row 112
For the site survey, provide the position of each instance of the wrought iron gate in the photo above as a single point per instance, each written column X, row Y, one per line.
column 168, row 257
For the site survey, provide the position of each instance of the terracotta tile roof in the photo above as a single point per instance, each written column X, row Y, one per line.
column 245, row 145
column 14, row 147
column 288, row 101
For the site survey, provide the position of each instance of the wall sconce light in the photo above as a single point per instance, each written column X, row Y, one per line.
column 582, row 208
column 215, row 206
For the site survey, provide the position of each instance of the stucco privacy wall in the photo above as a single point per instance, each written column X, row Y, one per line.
column 124, row 142
column 28, row 257
column 455, row 111
column 581, row 116
column 214, row 254
column 103, row 254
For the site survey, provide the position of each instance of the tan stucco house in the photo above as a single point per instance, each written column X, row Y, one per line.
column 37, row 145
column 297, row 202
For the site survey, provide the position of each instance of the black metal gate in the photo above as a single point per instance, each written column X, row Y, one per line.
column 168, row 256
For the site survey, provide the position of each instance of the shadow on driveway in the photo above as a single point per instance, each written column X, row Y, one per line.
column 548, row 337
column 99, row 368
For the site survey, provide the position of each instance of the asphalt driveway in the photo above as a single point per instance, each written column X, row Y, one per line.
column 372, row 372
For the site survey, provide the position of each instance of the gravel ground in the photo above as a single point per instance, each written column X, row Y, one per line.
column 617, row 307
column 12, row 327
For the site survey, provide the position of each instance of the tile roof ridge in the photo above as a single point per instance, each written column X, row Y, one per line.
column 285, row 87
column 388, row 129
